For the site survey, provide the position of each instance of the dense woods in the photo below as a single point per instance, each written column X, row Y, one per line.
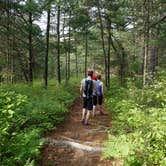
column 51, row 43
column 128, row 36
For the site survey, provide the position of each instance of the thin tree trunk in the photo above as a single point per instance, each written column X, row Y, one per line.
column 108, row 60
column 66, row 66
column 123, row 68
column 8, row 42
column 47, row 48
column 86, row 51
column 145, row 62
column 58, row 45
column 157, row 59
column 103, row 43
column 146, row 41
column 121, row 59
column 13, row 45
column 152, row 60
column 76, row 58
column 65, row 49
column 153, row 51
column 12, row 69
column 123, row 64
column 66, row 56
column 69, row 46
column 30, row 60
column 23, row 69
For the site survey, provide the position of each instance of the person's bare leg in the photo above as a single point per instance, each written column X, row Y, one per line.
column 87, row 117
column 101, row 109
column 83, row 114
column 94, row 110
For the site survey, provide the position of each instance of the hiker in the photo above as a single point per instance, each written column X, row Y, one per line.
column 100, row 93
column 86, row 90
column 94, row 77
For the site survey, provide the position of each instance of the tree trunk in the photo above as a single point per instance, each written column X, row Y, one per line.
column 13, row 45
column 23, row 69
column 153, row 53
column 58, row 46
column 103, row 43
column 145, row 62
column 123, row 68
column 108, row 54
column 86, row 51
column 30, row 60
column 146, row 41
column 47, row 48
column 8, row 43
column 76, row 58
column 152, row 59
column 123, row 64
column 65, row 49
column 12, row 69
column 69, row 46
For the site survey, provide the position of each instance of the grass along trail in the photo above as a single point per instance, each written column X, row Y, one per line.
column 74, row 144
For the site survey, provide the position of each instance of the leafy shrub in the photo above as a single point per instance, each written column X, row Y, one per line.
column 14, row 141
column 25, row 113
column 139, row 124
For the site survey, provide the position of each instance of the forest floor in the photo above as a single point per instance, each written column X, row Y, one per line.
column 74, row 144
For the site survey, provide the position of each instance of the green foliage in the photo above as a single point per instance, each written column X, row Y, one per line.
column 139, row 124
column 25, row 113
column 121, row 146
column 11, row 104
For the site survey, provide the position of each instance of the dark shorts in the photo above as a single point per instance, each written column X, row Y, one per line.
column 100, row 100
column 88, row 103
column 95, row 100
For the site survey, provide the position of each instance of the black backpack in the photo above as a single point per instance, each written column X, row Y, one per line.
column 88, row 88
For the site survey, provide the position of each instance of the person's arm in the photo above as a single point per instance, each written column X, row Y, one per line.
column 81, row 89
column 102, row 89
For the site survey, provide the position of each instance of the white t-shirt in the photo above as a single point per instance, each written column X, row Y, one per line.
column 83, row 84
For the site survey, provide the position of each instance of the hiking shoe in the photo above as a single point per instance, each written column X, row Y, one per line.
column 102, row 113
column 87, row 124
column 83, row 121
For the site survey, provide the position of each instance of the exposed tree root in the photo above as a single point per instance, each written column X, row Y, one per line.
column 74, row 145
column 78, row 141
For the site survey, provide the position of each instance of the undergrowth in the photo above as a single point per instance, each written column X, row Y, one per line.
column 26, row 112
column 138, row 135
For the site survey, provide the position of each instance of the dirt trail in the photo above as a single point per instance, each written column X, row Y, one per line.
column 66, row 144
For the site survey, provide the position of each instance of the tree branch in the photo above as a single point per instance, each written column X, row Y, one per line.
column 157, row 22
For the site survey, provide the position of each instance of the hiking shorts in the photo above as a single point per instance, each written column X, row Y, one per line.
column 94, row 100
column 100, row 100
column 88, row 103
